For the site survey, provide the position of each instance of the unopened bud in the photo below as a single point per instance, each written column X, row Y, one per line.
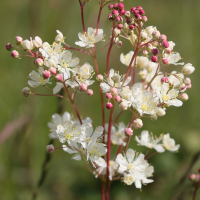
column 15, row 54
column 59, row 77
column 89, row 92
column 165, row 61
column 110, row 7
column 192, row 177
column 142, row 12
column 129, row 131
column 163, row 38
column 99, row 77
column 115, row 6
column 117, row 98
column 27, row 45
column 165, row 44
column 119, row 44
column 188, row 69
column 110, row 17
column 39, row 62
column 120, row 26
column 113, row 91
column 18, row 40
column 53, row 70
column 108, row 96
column 50, row 148
column 156, row 34
column 154, row 51
column 46, row 74
column 182, row 86
column 168, row 50
column 187, row 81
column 142, row 74
column 131, row 27
column 116, row 32
column 123, row 106
column 9, row 46
column 161, row 112
column 127, row 14
column 83, row 86
column 143, row 35
column 164, row 79
column 109, row 105
column 144, row 18
column 115, row 13
column 154, row 59
column 189, row 86
column 183, row 97
column 137, row 123
column 59, row 37
column 121, row 6
column 26, row 91
column 37, row 42
column 149, row 47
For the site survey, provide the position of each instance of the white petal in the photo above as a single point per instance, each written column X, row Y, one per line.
column 159, row 148
column 130, row 154
column 80, row 43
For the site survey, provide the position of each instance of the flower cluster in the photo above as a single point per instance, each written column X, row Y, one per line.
column 149, row 58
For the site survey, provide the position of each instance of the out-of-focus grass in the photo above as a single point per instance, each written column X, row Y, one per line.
column 23, row 153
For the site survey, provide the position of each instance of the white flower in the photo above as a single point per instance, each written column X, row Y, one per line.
column 89, row 39
column 126, row 93
column 102, row 169
column 126, row 59
column 56, row 120
column 37, row 42
column 137, row 166
column 150, row 141
column 27, row 45
column 115, row 80
column 37, row 78
column 59, row 37
column 168, row 96
column 169, row 143
column 173, row 58
column 117, row 134
column 188, row 69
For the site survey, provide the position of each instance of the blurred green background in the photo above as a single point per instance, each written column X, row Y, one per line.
column 23, row 153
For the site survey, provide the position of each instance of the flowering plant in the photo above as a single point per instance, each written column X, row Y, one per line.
column 148, row 60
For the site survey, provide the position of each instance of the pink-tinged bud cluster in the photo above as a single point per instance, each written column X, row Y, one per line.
column 129, row 131
column 9, row 46
column 26, row 91
column 59, row 77
column 18, row 40
column 39, row 62
column 108, row 96
column 83, row 87
column 164, row 80
column 15, row 54
column 137, row 123
column 195, row 178
column 50, row 148
column 109, row 105
column 46, row 74
column 89, row 92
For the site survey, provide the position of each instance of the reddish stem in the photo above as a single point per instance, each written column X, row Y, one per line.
column 68, row 47
column 108, row 151
column 151, row 155
column 99, row 16
column 117, row 117
column 102, row 191
column 82, row 17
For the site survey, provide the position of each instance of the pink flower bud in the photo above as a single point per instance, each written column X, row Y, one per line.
column 129, row 131
column 121, row 6
column 148, row 46
column 15, row 54
column 165, row 61
column 83, row 87
column 18, row 40
column 139, row 7
column 142, row 12
column 197, row 178
column 53, row 70
column 183, row 97
column 144, row 52
column 156, row 34
column 89, row 92
column 123, row 106
column 187, row 81
column 26, row 91
column 131, row 27
column 118, row 19
column 46, row 74
column 109, row 105
column 168, row 50
column 99, row 77
column 50, row 148
column 182, row 86
column 199, row 170
column 129, row 20
column 137, row 15
column 155, row 51
column 115, row 5
column 189, row 86
column 163, row 38
column 59, row 77
column 164, row 80
column 110, row 7
column 192, row 177
column 132, row 9
column 39, row 62
column 120, row 26
column 115, row 13
column 165, row 44
column 137, row 123
column 110, row 17
column 117, row 98
column 113, row 91
column 135, row 11
column 37, row 42
column 119, row 44
column 108, row 95
column 144, row 18
column 9, row 46
column 154, row 59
